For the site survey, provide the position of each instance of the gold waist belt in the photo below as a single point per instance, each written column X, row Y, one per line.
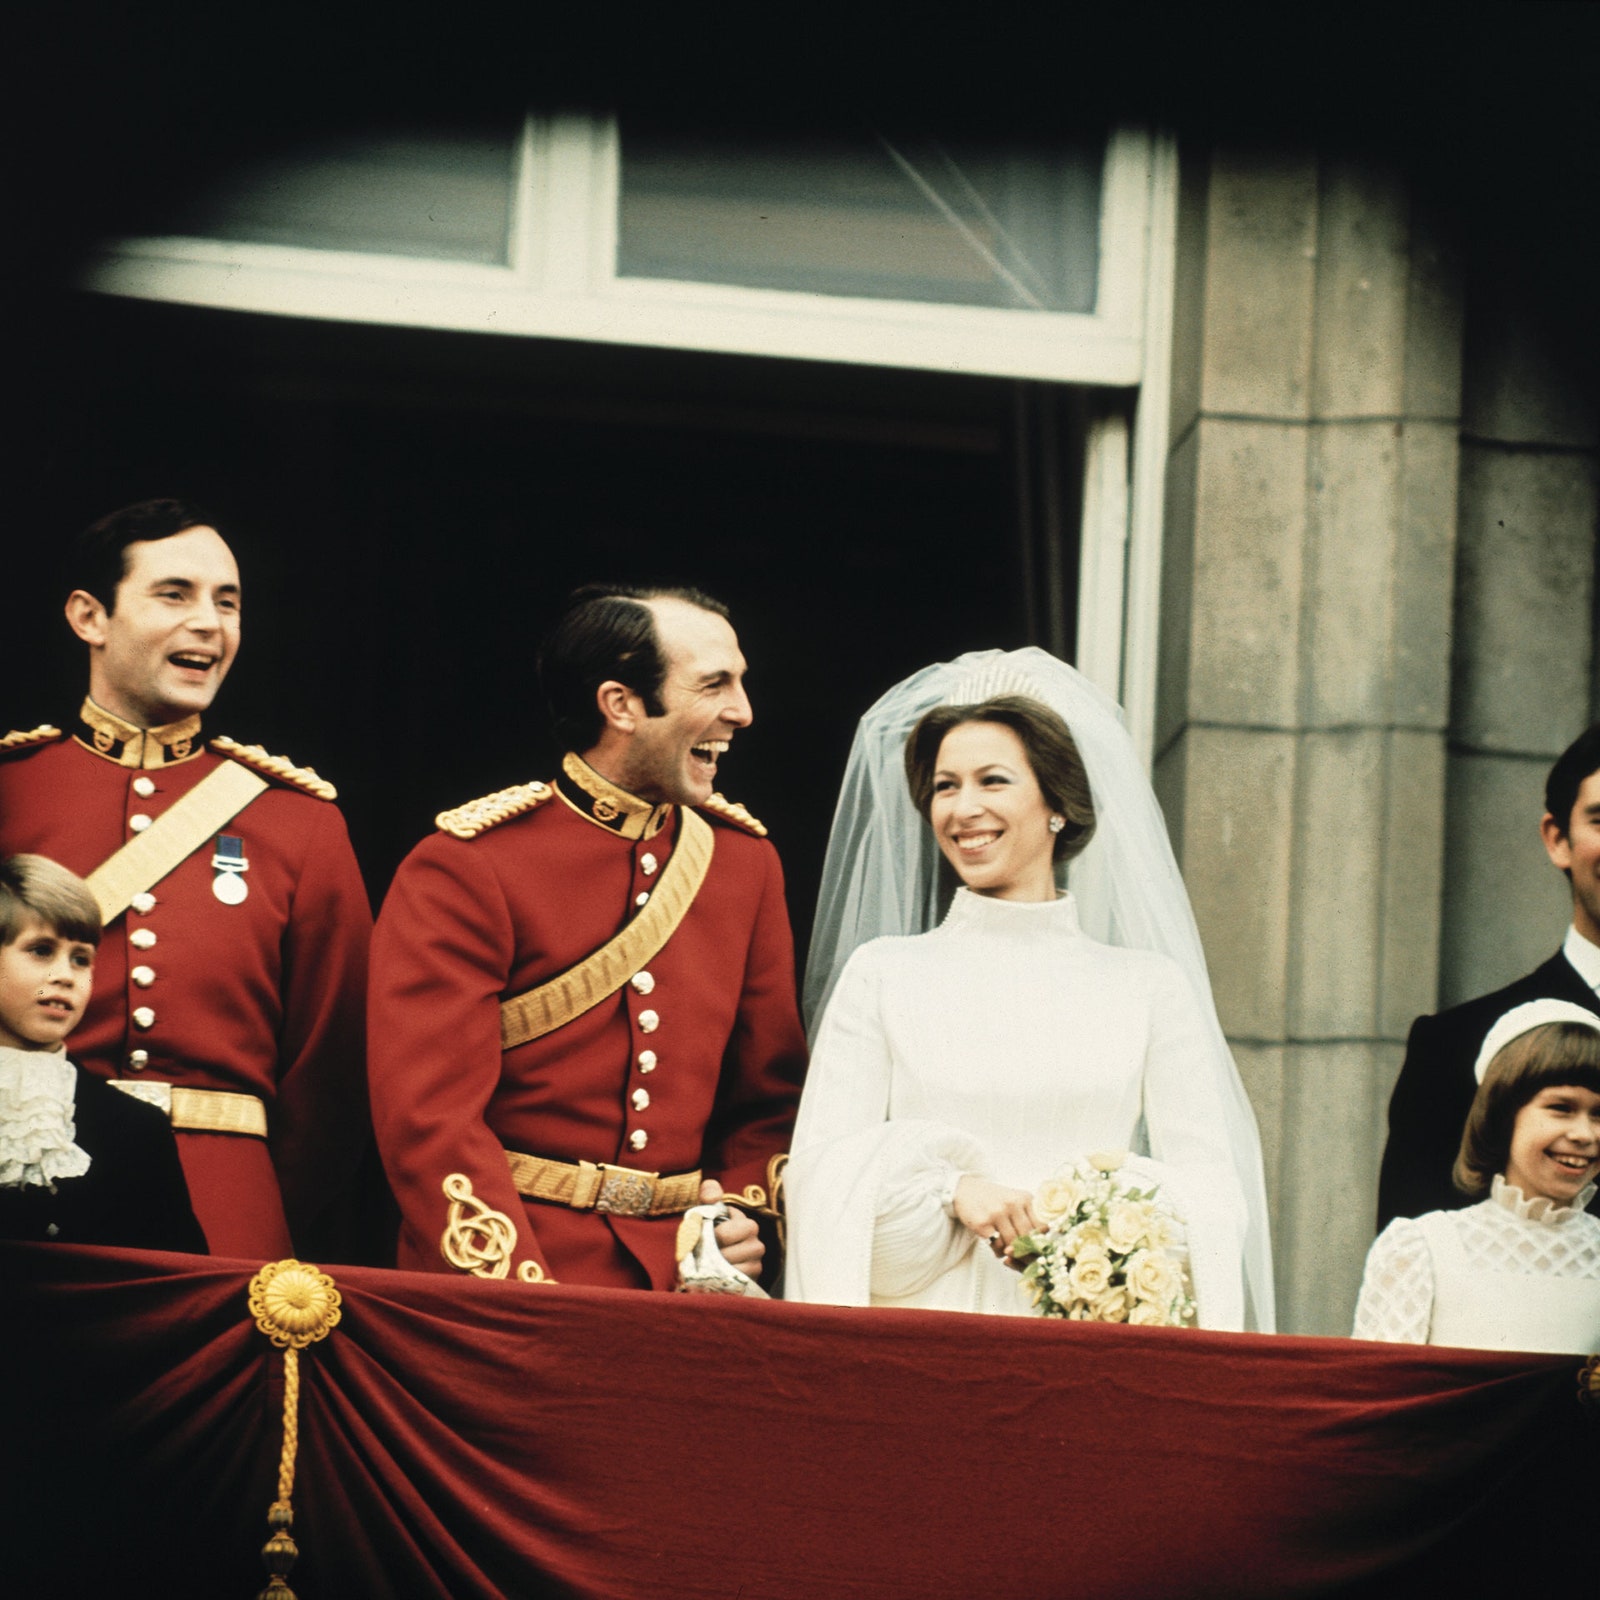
column 199, row 1110
column 585, row 1186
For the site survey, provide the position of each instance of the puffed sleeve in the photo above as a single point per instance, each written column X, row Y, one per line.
column 1188, row 1135
column 320, row 1118
column 1396, row 1300
column 441, row 957
column 866, row 1213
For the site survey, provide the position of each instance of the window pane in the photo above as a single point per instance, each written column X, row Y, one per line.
column 878, row 215
column 443, row 196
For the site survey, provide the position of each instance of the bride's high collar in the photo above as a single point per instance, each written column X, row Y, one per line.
column 984, row 913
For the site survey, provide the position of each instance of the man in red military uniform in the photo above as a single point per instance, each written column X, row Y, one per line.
column 582, row 1015
column 230, row 984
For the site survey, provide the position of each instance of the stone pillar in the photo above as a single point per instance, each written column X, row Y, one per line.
column 1524, row 627
column 1304, row 691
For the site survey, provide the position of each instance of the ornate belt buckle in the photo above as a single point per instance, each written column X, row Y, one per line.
column 625, row 1191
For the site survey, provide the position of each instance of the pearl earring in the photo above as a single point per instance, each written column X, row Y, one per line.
column 1057, row 824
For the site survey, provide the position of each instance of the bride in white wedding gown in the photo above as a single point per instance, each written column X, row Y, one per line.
column 956, row 1069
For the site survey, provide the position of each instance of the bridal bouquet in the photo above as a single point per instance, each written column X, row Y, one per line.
column 1110, row 1251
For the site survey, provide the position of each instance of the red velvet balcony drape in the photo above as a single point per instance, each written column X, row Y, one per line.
column 462, row 1438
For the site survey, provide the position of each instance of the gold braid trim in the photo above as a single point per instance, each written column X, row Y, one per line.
column 480, row 1240
column 478, row 816
column 294, row 1305
column 751, row 1198
column 731, row 811
column 279, row 767
column 776, row 1168
column 16, row 740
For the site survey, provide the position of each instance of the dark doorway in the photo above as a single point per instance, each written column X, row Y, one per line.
column 410, row 506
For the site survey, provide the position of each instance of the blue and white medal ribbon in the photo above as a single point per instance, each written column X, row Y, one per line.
column 229, row 885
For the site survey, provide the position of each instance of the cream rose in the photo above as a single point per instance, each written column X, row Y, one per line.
column 1128, row 1224
column 1107, row 1160
column 1111, row 1305
column 1087, row 1239
column 1058, row 1197
column 1090, row 1276
column 1154, row 1277
column 1145, row 1315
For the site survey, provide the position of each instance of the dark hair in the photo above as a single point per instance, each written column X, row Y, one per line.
column 99, row 558
column 36, row 886
column 606, row 631
column 1573, row 765
column 1542, row 1058
column 1052, row 753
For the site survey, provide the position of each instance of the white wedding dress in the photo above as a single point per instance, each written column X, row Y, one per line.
column 1506, row 1274
column 1005, row 1042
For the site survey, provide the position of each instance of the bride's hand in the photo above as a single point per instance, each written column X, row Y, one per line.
column 992, row 1211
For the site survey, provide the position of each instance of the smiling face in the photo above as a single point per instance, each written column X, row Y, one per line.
column 44, row 986
column 163, row 650
column 989, row 815
column 672, row 758
column 1555, row 1143
column 1575, row 849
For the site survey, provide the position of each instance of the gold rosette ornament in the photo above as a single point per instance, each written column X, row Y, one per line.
column 294, row 1304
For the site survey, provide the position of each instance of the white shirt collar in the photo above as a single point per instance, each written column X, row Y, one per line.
column 1584, row 956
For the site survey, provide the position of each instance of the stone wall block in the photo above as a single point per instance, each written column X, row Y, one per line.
column 1169, row 777
column 1177, row 589
column 1434, row 319
column 1506, row 908
column 1528, row 381
column 1424, row 575
column 1189, row 291
column 1352, row 529
column 1524, row 614
column 1260, row 274
column 1261, row 1067
column 1238, row 800
column 1250, row 518
column 1413, row 881
column 1336, row 901
column 1362, row 293
column 1328, row 1182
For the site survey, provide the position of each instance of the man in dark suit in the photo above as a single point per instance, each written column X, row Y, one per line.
column 1434, row 1091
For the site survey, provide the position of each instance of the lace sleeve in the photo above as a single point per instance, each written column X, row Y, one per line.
column 1396, row 1303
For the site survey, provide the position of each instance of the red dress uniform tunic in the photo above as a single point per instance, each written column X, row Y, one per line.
column 695, row 1063
column 264, row 998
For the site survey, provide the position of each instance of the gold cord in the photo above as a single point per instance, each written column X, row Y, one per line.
column 294, row 1305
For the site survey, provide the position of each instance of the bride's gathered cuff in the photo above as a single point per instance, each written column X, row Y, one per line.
column 949, row 1182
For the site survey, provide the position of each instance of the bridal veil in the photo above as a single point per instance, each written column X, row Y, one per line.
column 881, row 874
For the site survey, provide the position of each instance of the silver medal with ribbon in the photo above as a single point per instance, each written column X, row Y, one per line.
column 230, row 864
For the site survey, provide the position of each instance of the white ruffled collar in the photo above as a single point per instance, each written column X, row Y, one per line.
column 38, row 1095
column 1541, row 1208
column 983, row 913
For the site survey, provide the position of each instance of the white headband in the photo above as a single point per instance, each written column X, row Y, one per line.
column 1522, row 1019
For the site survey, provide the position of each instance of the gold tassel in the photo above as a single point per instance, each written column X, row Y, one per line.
column 294, row 1305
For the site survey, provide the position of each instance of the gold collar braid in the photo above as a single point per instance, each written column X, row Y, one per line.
column 605, row 805
column 126, row 744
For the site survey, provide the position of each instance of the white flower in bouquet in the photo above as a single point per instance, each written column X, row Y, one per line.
column 1109, row 1250
column 1058, row 1196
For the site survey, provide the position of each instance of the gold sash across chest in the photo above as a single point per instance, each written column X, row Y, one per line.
column 172, row 838
column 598, row 976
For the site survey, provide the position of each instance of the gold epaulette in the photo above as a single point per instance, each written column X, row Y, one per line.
column 731, row 811
column 43, row 734
column 279, row 767
column 478, row 816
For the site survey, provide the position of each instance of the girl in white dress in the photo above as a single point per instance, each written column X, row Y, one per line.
column 1521, row 1269
column 955, row 1070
